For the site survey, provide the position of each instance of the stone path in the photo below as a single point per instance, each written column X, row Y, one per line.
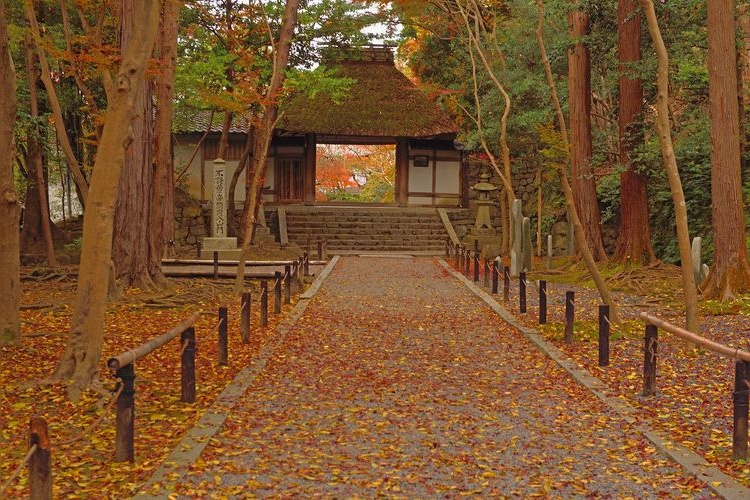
column 399, row 381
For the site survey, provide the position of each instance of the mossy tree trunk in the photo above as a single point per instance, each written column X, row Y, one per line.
column 79, row 363
column 692, row 317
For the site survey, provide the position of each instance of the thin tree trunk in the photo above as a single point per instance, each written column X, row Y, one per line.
column 730, row 273
column 62, row 134
column 580, row 236
column 80, row 361
column 262, row 140
column 10, row 266
column 634, row 240
column 162, row 202
column 692, row 314
column 244, row 160
column 132, row 231
column 581, row 171
column 35, row 157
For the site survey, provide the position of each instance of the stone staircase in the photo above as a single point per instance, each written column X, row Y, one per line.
column 355, row 230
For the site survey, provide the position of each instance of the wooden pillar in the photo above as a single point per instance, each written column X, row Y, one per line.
column 402, row 171
column 309, row 169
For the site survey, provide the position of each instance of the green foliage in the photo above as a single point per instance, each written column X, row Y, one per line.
column 320, row 80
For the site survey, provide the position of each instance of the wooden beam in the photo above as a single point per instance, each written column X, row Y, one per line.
column 402, row 171
column 308, row 184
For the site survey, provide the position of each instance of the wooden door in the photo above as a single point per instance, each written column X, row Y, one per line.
column 289, row 180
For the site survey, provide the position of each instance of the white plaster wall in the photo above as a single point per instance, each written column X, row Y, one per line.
column 420, row 178
column 447, row 177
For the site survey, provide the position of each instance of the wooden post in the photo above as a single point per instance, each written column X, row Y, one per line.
column 320, row 249
column 522, row 292
column 307, row 263
column 125, row 419
column 277, row 293
column 187, row 338
column 40, row 462
column 570, row 312
column 486, row 271
column 455, row 256
column 198, row 246
column 467, row 263
column 264, row 303
column 245, row 317
column 216, row 265
column 287, row 284
column 223, row 340
column 494, row 276
column 542, row 302
column 741, row 391
column 298, row 273
column 476, row 266
column 603, row 335
column 506, row 283
column 649, row 360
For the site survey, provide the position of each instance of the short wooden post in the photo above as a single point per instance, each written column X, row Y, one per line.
column 522, row 292
column 187, row 338
column 570, row 312
column 741, row 393
column 467, row 263
column 298, row 274
column 307, row 264
column 650, row 345
column 476, row 266
column 494, row 276
column 320, row 249
column 506, row 283
column 198, row 247
column 542, row 302
column 40, row 462
column 125, row 420
column 486, row 269
column 456, row 256
column 245, row 317
column 277, row 293
column 287, row 284
column 263, row 302
column 216, row 265
column 223, row 354
column 603, row 335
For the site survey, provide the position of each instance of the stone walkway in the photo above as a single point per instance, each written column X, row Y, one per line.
column 397, row 380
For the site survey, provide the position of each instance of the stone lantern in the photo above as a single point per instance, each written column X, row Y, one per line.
column 483, row 232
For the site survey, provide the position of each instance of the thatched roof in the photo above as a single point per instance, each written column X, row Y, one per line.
column 381, row 102
column 190, row 121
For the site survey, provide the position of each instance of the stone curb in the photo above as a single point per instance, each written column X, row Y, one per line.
column 722, row 484
column 187, row 451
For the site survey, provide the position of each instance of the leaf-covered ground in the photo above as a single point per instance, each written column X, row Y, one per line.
column 398, row 381
column 83, row 467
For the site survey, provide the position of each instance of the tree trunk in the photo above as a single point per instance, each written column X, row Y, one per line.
column 634, row 241
column 730, row 273
column 162, row 202
column 132, row 231
column 562, row 175
column 10, row 266
column 35, row 166
column 262, row 139
column 692, row 314
column 581, row 171
column 244, row 160
column 80, row 361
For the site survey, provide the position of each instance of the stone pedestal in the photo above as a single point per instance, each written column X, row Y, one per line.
column 219, row 242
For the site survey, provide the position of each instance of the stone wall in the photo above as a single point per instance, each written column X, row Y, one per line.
column 191, row 223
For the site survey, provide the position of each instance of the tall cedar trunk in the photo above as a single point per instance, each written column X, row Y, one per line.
column 562, row 176
column 132, row 231
column 10, row 266
column 80, row 361
column 262, row 139
column 40, row 226
column 730, row 273
column 634, row 241
column 162, row 204
column 692, row 314
column 581, row 172
column 743, row 83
